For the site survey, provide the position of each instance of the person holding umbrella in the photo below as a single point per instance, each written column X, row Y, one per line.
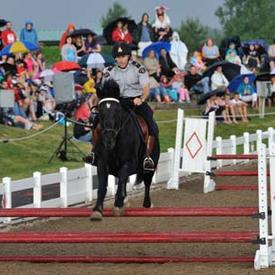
column 118, row 34
column 91, row 45
column 247, row 92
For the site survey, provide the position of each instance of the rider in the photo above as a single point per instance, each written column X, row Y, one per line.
column 133, row 81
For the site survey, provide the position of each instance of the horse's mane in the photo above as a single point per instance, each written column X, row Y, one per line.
column 108, row 88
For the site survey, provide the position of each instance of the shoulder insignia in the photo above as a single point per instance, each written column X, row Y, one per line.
column 142, row 70
column 109, row 68
column 106, row 74
column 136, row 64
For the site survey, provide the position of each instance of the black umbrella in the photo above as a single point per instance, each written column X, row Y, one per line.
column 230, row 70
column 82, row 32
column 107, row 32
column 264, row 77
column 203, row 98
column 3, row 23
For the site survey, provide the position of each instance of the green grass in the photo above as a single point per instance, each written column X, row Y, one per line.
column 21, row 159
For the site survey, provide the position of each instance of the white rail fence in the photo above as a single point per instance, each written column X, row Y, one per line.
column 78, row 186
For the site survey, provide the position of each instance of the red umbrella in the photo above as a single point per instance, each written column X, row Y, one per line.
column 65, row 66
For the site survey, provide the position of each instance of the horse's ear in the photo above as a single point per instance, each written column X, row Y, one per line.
column 99, row 92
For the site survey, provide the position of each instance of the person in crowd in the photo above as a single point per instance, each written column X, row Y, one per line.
column 89, row 85
column 9, row 66
column 167, row 88
column 162, row 26
column 178, row 51
column 252, row 58
column 79, row 45
column 210, row 52
column 152, row 65
column 218, row 80
column 232, row 57
column 272, row 90
column 196, row 60
column 241, row 107
column 230, row 109
column 29, row 34
column 167, row 66
column 69, row 30
column 82, row 115
column 232, row 47
column 91, row 44
column 128, row 38
column 156, row 92
column 68, row 51
column 31, row 65
column 118, row 34
column 247, row 92
column 41, row 64
column 8, row 35
column 195, row 83
column 178, row 84
column 143, row 34
column 271, row 52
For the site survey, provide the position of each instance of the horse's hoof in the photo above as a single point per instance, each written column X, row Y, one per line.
column 148, row 205
column 127, row 202
column 118, row 211
column 96, row 216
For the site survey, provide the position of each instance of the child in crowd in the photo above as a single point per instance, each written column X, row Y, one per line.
column 196, row 60
column 178, row 85
column 241, row 107
column 168, row 89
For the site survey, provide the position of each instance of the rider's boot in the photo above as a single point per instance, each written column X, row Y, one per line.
column 148, row 163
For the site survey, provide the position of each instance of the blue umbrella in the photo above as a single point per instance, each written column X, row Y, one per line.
column 19, row 46
column 235, row 82
column 156, row 47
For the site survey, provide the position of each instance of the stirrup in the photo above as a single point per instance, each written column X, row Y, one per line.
column 90, row 159
column 148, row 164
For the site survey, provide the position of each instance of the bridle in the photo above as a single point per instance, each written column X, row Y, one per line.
column 110, row 99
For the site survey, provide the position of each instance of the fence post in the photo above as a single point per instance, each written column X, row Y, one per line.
column 173, row 182
column 270, row 136
column 259, row 139
column 7, row 196
column 209, row 184
column 64, row 186
column 171, row 152
column 262, row 255
column 37, row 190
column 219, row 150
column 272, row 192
column 246, row 149
column 89, row 182
column 233, row 147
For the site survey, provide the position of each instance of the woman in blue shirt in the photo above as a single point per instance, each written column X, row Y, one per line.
column 247, row 92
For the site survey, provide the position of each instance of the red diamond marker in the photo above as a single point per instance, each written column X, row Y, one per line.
column 193, row 145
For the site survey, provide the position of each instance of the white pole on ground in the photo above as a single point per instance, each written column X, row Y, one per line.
column 7, row 196
column 259, row 134
column 209, row 184
column 173, row 182
column 262, row 258
column 89, row 182
column 37, row 190
column 272, row 194
column 64, row 186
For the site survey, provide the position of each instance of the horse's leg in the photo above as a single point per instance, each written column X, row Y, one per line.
column 102, row 176
column 147, row 182
column 121, row 191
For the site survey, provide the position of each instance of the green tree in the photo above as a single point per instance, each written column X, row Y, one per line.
column 192, row 33
column 249, row 19
column 113, row 13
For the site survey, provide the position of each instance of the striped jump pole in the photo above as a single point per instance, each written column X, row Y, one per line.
column 231, row 156
column 125, row 260
column 133, row 212
column 129, row 237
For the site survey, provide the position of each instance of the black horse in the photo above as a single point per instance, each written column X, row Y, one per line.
column 120, row 150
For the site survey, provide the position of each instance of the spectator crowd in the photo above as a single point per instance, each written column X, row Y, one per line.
column 175, row 75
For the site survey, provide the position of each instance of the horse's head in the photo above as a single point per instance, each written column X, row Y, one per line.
column 109, row 113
